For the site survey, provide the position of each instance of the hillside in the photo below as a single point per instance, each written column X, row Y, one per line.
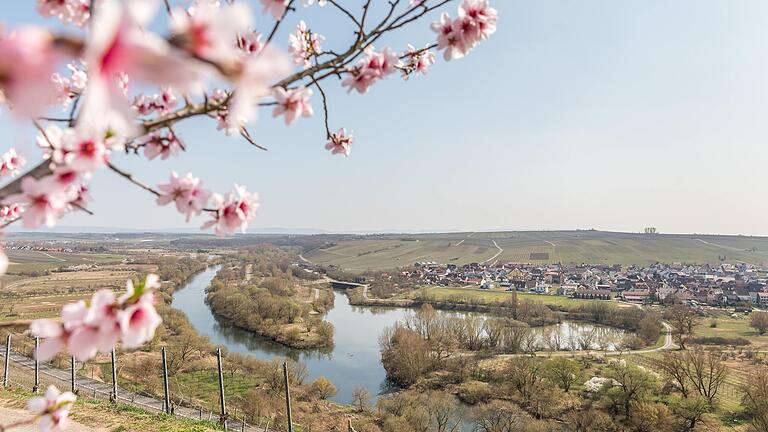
column 388, row 251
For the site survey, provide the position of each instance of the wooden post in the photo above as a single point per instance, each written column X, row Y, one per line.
column 113, row 397
column 223, row 417
column 72, row 374
column 167, row 398
column 7, row 360
column 287, row 397
column 36, row 387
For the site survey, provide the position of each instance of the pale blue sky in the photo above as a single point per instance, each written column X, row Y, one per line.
column 575, row 114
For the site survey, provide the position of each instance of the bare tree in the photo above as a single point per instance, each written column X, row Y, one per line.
column 707, row 372
column 683, row 320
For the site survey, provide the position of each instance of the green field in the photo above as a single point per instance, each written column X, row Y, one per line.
column 490, row 296
column 359, row 253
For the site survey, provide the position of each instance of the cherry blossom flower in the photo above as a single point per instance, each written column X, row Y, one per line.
column 476, row 22
column 340, row 142
column 161, row 103
column 68, row 88
column 275, row 7
column 43, row 203
column 52, row 409
column 76, row 12
column 418, row 61
column 252, row 84
column 27, row 61
column 414, row 3
column 161, row 144
column 209, row 31
column 250, row 42
column 233, row 212
column 82, row 151
column 186, row 192
column 220, row 97
column 119, row 44
column 308, row 3
column 88, row 329
column 303, row 44
column 449, row 38
column 139, row 321
column 9, row 212
column 292, row 103
column 374, row 67
column 11, row 163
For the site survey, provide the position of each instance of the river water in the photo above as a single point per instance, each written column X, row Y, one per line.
column 353, row 362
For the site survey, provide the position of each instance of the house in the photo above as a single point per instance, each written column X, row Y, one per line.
column 637, row 296
column 541, row 288
column 592, row 294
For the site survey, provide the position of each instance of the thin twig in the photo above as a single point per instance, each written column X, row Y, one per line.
column 325, row 106
column 245, row 134
column 128, row 176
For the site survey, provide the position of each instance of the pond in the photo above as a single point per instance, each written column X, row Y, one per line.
column 353, row 362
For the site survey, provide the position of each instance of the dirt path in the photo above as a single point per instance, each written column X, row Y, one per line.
column 497, row 253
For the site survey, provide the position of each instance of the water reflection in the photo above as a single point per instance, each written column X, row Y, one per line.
column 354, row 360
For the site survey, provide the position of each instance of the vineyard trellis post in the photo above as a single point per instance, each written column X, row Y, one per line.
column 166, row 396
column 222, row 400
column 72, row 374
column 113, row 396
column 36, row 387
column 7, row 360
column 287, row 397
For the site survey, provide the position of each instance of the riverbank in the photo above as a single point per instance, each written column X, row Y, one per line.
column 271, row 304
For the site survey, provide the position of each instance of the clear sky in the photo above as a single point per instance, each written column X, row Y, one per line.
column 603, row 114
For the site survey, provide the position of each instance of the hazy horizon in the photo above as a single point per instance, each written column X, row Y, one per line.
column 593, row 114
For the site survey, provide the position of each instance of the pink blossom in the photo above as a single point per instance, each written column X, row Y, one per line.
column 10, row 212
column 275, row 7
column 449, row 38
column 303, row 44
column 161, row 103
column 27, row 61
column 53, row 335
column 210, row 31
column 11, row 163
column 42, row 201
column 340, row 142
column 250, row 42
column 418, row 61
column 161, row 144
column 476, row 22
column 234, row 212
column 68, row 88
column 221, row 115
column 479, row 20
column 375, row 66
column 52, row 409
column 186, row 192
column 253, row 83
column 121, row 44
column 76, row 12
column 139, row 321
column 82, row 151
column 414, row 3
column 87, row 330
column 292, row 103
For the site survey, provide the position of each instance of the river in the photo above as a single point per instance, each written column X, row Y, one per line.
column 353, row 362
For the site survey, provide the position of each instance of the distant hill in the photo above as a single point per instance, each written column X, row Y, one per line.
column 595, row 247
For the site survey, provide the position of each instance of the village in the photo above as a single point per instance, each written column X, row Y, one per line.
column 740, row 286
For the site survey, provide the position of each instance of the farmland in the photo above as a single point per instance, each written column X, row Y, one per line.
column 376, row 252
